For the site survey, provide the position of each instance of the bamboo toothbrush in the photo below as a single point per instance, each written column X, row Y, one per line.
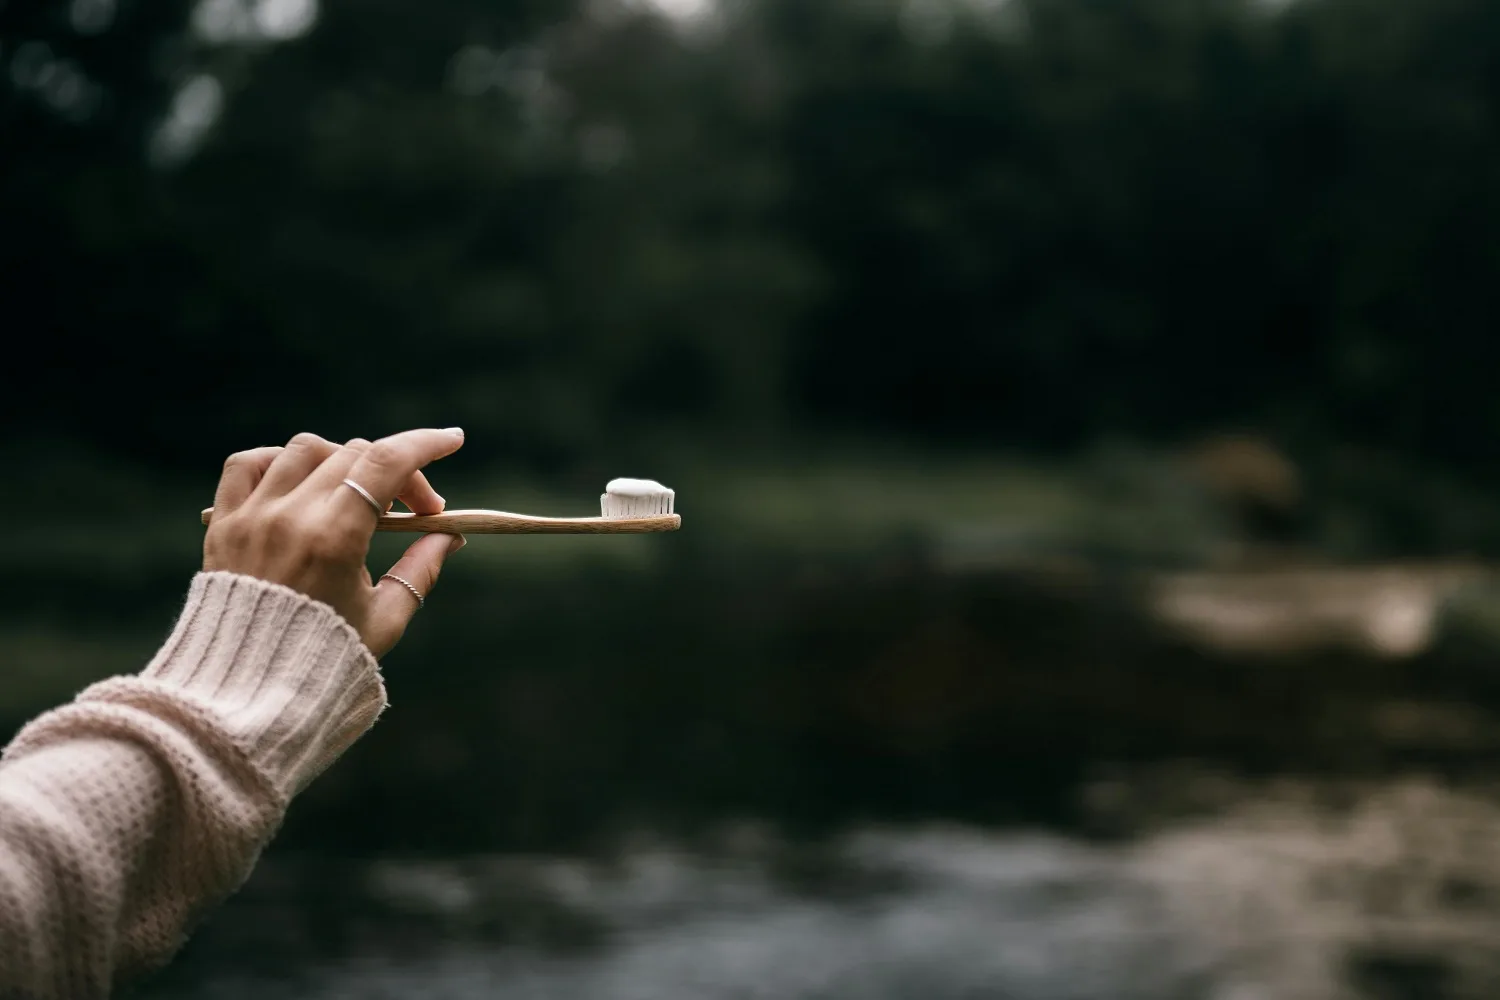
column 628, row 506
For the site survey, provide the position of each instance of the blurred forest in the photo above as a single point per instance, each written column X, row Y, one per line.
column 573, row 227
column 1066, row 399
column 884, row 287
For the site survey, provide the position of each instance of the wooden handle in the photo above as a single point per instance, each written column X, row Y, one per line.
column 495, row 522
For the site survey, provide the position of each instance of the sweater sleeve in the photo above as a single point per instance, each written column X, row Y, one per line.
column 129, row 812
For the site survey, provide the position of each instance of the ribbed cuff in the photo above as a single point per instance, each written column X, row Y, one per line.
column 288, row 678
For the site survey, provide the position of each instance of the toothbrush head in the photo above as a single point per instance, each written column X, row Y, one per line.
column 636, row 498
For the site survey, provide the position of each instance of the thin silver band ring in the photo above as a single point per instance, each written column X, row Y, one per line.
column 421, row 601
column 375, row 504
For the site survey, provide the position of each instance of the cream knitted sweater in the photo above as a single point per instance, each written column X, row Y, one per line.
column 128, row 813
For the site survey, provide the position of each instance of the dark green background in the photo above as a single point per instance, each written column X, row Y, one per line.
column 863, row 284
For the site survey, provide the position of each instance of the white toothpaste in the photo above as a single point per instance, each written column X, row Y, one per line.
column 636, row 498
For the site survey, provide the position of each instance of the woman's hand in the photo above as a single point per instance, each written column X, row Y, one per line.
column 285, row 515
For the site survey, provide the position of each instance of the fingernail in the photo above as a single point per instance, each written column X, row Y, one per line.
column 440, row 499
column 459, row 541
column 459, row 431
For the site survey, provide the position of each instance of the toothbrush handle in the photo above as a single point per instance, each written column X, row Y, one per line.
column 495, row 522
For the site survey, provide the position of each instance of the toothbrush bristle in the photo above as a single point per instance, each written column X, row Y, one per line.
column 625, row 498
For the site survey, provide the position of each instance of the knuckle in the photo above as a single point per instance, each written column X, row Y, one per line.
column 352, row 533
column 384, row 454
column 306, row 440
column 337, row 541
column 280, row 525
column 248, row 457
column 331, row 547
column 237, row 459
column 228, row 533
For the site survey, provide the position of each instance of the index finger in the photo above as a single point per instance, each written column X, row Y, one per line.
column 385, row 468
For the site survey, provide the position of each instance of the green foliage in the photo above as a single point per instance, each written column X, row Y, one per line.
column 606, row 242
column 569, row 227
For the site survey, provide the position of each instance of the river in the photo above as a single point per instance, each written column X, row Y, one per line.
column 1394, row 893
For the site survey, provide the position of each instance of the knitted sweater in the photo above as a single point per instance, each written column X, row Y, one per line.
column 128, row 813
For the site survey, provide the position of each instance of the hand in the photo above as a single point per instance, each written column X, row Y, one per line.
column 284, row 515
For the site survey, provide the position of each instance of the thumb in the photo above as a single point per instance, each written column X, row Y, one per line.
column 394, row 605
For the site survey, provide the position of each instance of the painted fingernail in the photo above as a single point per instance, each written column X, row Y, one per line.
column 459, row 541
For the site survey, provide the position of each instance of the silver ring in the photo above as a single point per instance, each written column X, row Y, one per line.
column 379, row 510
column 421, row 601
